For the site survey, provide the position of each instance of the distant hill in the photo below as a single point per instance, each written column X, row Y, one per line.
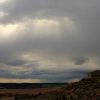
column 30, row 85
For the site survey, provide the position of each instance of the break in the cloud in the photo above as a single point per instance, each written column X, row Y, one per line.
column 41, row 38
column 3, row 1
column 8, row 80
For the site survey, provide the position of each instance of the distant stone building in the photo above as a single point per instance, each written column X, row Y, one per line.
column 95, row 74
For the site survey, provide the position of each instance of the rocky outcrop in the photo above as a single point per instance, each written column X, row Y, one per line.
column 86, row 89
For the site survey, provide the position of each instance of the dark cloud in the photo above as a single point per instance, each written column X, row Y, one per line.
column 16, row 63
column 49, row 76
column 80, row 60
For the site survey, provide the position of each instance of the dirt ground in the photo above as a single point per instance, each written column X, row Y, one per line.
column 28, row 91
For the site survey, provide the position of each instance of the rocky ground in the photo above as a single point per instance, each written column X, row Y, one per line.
column 86, row 89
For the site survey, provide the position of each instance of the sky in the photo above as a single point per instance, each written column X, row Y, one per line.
column 48, row 40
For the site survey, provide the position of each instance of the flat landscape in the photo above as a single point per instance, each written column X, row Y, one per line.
column 9, row 94
column 28, row 91
column 25, row 91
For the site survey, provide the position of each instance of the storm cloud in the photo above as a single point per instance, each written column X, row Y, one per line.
column 41, row 38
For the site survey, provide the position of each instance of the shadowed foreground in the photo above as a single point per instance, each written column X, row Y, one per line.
column 86, row 89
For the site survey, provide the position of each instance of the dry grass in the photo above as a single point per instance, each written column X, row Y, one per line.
column 28, row 91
